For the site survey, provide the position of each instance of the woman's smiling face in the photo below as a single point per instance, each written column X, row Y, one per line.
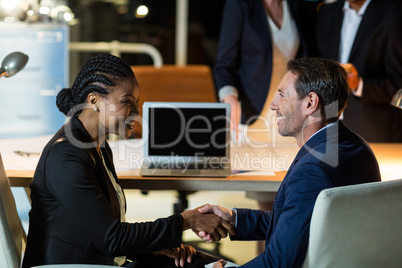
column 120, row 108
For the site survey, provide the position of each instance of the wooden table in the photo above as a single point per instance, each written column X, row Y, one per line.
column 131, row 180
column 388, row 155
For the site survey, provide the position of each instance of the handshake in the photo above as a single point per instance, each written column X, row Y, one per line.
column 210, row 222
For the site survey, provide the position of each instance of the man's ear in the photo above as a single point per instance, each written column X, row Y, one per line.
column 311, row 103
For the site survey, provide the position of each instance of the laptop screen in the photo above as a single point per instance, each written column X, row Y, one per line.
column 177, row 130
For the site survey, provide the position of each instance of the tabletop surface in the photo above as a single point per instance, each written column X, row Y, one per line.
column 267, row 166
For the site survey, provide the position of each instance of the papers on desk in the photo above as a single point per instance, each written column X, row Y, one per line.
column 228, row 264
column 252, row 173
column 22, row 154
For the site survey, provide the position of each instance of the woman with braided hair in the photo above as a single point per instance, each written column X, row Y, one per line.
column 78, row 206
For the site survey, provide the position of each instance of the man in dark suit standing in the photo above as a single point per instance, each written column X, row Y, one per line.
column 308, row 103
column 366, row 34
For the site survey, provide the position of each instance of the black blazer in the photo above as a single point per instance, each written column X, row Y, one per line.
column 75, row 215
column 377, row 55
column 244, row 57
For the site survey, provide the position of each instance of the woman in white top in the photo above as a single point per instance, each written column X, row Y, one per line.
column 257, row 39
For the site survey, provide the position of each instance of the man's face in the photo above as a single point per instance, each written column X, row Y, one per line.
column 288, row 107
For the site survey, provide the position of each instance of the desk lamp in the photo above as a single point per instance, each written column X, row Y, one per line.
column 397, row 99
column 13, row 63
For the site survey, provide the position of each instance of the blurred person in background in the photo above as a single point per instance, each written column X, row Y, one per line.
column 366, row 36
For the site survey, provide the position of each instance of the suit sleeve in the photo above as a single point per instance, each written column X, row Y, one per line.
column 71, row 179
column 228, row 58
column 288, row 244
column 381, row 89
column 251, row 224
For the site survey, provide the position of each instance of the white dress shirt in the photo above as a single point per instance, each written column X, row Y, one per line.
column 350, row 25
column 285, row 41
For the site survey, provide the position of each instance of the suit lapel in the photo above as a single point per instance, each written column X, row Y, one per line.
column 371, row 17
column 107, row 154
column 81, row 134
column 337, row 24
column 260, row 23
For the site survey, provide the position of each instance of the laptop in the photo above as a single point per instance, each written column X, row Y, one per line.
column 190, row 139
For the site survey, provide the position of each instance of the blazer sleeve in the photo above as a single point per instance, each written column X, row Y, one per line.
column 71, row 179
column 228, row 58
column 288, row 244
column 380, row 89
column 251, row 224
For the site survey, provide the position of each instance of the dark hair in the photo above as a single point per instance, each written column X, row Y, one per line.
column 99, row 74
column 327, row 78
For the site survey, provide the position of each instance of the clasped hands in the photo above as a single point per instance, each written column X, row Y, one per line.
column 210, row 222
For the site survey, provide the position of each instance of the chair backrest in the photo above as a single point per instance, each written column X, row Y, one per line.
column 170, row 83
column 10, row 225
column 357, row 226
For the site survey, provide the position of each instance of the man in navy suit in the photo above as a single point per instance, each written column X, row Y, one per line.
column 367, row 34
column 308, row 103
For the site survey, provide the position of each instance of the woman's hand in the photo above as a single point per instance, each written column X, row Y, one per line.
column 235, row 112
column 180, row 254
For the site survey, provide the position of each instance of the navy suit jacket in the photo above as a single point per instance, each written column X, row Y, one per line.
column 245, row 50
column 75, row 215
column 333, row 157
column 377, row 55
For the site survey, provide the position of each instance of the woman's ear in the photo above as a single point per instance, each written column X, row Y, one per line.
column 92, row 98
column 93, row 101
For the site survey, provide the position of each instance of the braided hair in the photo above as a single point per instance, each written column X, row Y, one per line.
column 99, row 74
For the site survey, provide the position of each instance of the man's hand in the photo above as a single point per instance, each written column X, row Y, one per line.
column 219, row 264
column 353, row 76
column 180, row 255
column 224, row 213
column 210, row 224
column 235, row 112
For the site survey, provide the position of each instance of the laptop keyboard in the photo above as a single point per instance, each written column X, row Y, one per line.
column 182, row 166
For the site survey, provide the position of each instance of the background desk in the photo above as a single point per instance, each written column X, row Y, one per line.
column 388, row 155
column 131, row 180
column 272, row 163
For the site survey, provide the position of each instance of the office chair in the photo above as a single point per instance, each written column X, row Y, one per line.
column 12, row 234
column 357, row 226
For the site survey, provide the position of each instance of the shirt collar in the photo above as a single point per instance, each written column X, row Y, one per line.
column 323, row 129
column 346, row 7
